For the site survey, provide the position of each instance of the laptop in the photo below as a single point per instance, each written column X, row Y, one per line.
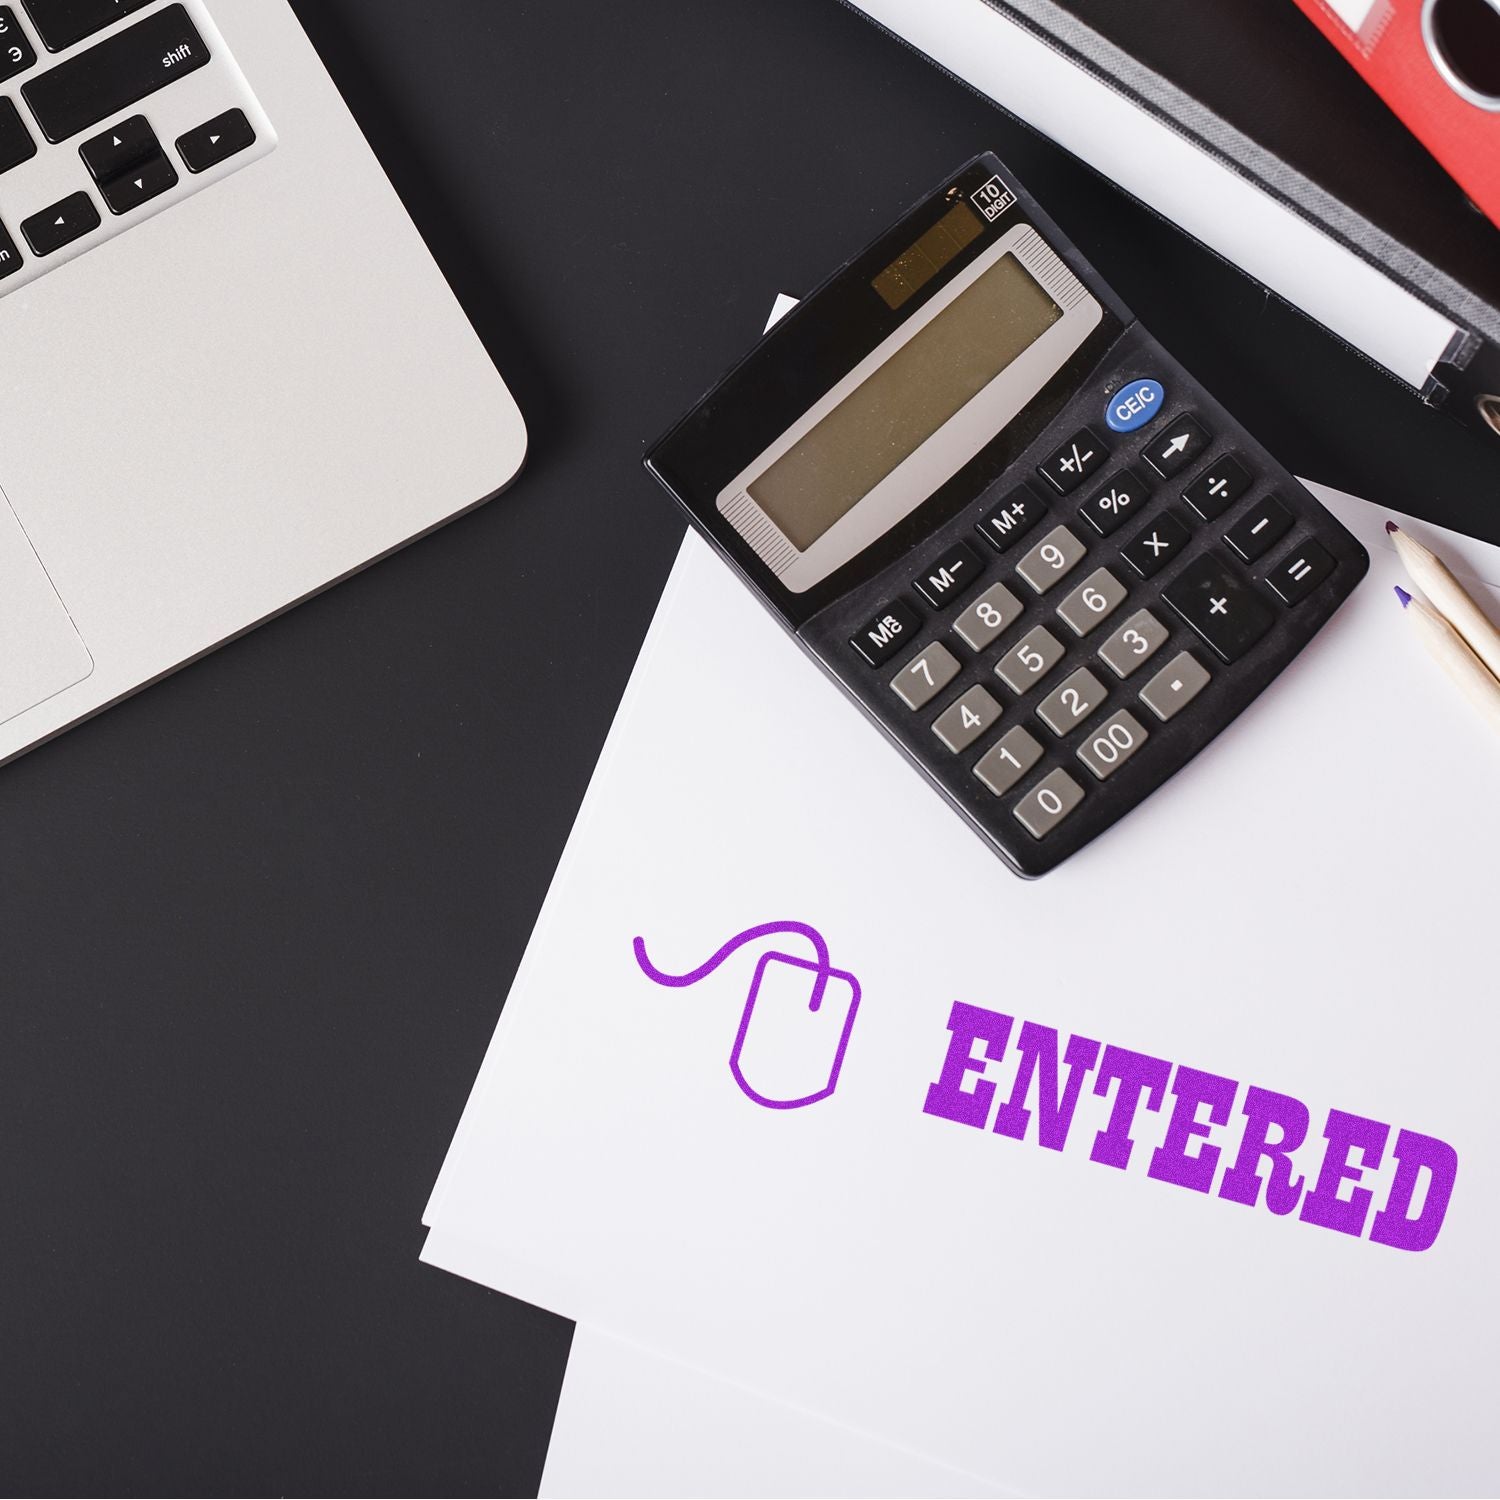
column 230, row 372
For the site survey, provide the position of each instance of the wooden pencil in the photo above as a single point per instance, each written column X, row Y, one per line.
column 1449, row 597
column 1452, row 653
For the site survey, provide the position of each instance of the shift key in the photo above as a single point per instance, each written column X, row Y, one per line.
column 115, row 74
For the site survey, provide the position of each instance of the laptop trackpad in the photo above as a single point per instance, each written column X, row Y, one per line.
column 40, row 651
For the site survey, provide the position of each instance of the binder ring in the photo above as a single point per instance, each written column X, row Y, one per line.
column 1442, row 32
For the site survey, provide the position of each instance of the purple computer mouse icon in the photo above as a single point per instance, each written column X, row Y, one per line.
column 794, row 1028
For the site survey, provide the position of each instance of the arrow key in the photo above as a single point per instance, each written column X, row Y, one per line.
column 60, row 225
column 1175, row 446
column 138, row 184
column 222, row 137
column 109, row 153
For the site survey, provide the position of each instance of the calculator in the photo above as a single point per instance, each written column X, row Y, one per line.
column 1036, row 552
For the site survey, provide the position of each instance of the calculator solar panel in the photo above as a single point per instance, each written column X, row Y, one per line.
column 1036, row 552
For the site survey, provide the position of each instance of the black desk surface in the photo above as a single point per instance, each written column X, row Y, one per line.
column 258, row 922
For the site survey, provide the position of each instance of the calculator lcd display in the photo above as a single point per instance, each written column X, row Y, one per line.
column 902, row 403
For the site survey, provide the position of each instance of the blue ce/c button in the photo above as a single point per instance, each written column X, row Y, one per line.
column 1134, row 405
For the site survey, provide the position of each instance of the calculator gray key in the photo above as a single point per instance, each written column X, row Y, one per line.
column 991, row 614
column 1092, row 602
column 1078, row 696
column 1112, row 744
column 1052, row 559
column 925, row 675
column 961, row 724
column 1029, row 660
column 1048, row 803
column 1007, row 760
column 1134, row 643
column 1175, row 686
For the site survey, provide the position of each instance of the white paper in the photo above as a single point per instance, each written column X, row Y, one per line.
column 1305, row 908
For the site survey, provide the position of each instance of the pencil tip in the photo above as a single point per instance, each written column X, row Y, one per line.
column 1391, row 526
column 1403, row 596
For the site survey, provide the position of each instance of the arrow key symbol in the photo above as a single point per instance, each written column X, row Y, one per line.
column 1185, row 440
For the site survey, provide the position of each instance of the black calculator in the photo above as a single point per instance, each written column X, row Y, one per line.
column 1034, row 550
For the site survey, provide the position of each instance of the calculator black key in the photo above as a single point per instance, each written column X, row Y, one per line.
column 61, row 224
column 116, row 73
column 1217, row 488
column 1220, row 607
column 949, row 576
column 1079, row 457
column 16, row 53
column 16, row 144
column 1259, row 529
column 1113, row 505
column 1175, row 446
column 882, row 637
column 1300, row 572
column 10, row 257
column 1005, row 525
column 60, row 23
column 222, row 137
column 1157, row 545
column 139, row 184
column 119, row 148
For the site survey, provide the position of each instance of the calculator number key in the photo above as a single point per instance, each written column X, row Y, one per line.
column 1259, row 529
column 1052, row 559
column 1219, row 607
column 949, row 576
column 1067, row 707
column 959, row 726
column 1212, row 493
column 1175, row 686
column 1120, row 499
column 1029, row 660
column 878, row 640
column 1079, row 457
column 988, row 617
column 925, row 676
column 1048, row 803
column 1157, row 545
column 1112, row 744
column 1092, row 602
column 1009, row 521
column 1007, row 761
column 1134, row 643
column 1300, row 572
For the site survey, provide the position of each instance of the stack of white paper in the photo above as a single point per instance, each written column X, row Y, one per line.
column 1108, row 1288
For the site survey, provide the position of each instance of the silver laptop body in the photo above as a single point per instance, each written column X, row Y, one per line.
column 246, row 382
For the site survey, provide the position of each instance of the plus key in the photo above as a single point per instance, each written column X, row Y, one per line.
column 1222, row 609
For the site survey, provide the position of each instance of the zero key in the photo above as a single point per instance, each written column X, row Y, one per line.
column 1221, row 608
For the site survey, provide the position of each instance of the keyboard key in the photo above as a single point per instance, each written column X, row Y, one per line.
column 1007, row 760
column 1092, row 602
column 1112, row 744
column 116, row 73
column 1221, row 608
column 1175, row 686
column 1009, row 521
column 1120, row 499
column 1217, row 488
column 948, row 577
column 1052, row 559
column 1157, row 545
column 1048, row 803
column 881, row 638
column 119, row 148
column 1264, row 524
column 1029, row 660
column 16, row 144
column 16, row 53
column 1134, row 405
column 988, row 617
column 60, row 23
column 925, row 675
column 1175, row 446
column 1134, row 643
column 140, row 183
column 61, row 224
column 10, row 257
column 1300, row 572
column 218, row 140
column 1074, row 461
column 1066, row 708
column 959, row 726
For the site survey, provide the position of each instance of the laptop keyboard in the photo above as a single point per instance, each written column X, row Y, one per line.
column 110, row 110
